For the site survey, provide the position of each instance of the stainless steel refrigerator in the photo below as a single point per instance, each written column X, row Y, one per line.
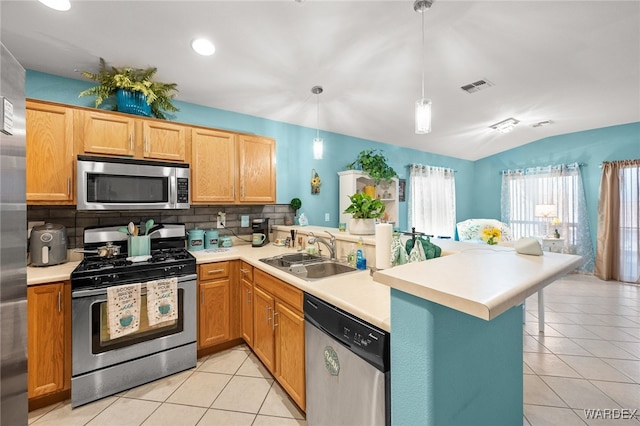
column 13, row 243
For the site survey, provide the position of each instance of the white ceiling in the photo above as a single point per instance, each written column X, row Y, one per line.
column 576, row 63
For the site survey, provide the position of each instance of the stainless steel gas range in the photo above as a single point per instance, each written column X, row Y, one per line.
column 105, row 363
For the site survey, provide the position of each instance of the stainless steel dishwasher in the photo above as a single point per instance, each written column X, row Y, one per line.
column 347, row 368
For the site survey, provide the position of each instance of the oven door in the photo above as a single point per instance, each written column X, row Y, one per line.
column 92, row 346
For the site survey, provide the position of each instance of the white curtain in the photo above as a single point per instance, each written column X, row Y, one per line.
column 432, row 200
column 559, row 186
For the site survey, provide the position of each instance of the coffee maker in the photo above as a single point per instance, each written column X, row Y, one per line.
column 260, row 229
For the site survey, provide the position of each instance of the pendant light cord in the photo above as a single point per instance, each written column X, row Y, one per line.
column 422, row 13
column 318, row 116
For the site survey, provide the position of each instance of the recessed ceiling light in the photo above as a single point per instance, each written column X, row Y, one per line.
column 61, row 5
column 505, row 126
column 203, row 47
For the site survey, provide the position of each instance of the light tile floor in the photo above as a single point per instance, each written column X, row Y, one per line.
column 587, row 359
column 227, row 388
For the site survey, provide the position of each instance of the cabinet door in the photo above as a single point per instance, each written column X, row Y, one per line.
column 263, row 337
column 46, row 339
column 257, row 169
column 214, row 313
column 212, row 166
column 289, row 326
column 49, row 153
column 247, row 303
column 164, row 141
column 107, row 133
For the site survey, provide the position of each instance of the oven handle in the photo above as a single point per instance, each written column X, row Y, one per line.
column 143, row 290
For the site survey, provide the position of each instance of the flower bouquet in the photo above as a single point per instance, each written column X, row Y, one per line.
column 315, row 182
column 491, row 235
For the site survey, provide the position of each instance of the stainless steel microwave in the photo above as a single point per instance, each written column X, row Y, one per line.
column 113, row 183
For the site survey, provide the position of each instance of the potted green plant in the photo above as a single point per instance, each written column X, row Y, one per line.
column 374, row 163
column 135, row 89
column 295, row 205
column 364, row 210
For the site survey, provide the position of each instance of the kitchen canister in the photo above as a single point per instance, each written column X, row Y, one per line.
column 211, row 239
column 195, row 239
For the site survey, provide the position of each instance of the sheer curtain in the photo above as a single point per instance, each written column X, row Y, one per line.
column 432, row 200
column 559, row 185
column 618, row 250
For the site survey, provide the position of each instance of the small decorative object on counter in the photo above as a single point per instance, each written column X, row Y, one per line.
column 299, row 247
column 361, row 260
column 195, row 239
column 295, row 205
column 315, row 182
column 303, row 221
column 225, row 241
column 351, row 257
column 211, row 239
column 556, row 222
column 342, row 227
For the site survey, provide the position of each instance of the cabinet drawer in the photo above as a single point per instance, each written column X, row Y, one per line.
column 246, row 271
column 212, row 271
column 283, row 291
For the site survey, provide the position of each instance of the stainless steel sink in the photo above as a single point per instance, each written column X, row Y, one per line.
column 308, row 267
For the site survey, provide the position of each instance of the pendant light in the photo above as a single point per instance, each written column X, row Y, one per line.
column 423, row 105
column 317, row 142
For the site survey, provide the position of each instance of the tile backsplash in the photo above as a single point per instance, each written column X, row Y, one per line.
column 204, row 217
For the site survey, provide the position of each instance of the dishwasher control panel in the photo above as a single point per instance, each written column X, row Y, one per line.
column 366, row 340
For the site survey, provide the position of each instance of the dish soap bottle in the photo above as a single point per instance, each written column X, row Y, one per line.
column 361, row 260
column 351, row 257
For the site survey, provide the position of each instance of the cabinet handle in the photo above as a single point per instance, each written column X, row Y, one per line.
column 244, row 271
column 59, row 302
column 69, row 186
column 215, row 271
column 130, row 141
column 274, row 324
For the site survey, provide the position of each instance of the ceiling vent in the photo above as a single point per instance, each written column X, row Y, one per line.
column 476, row 86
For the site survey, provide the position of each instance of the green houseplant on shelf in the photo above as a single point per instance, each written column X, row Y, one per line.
column 364, row 211
column 136, row 91
column 374, row 163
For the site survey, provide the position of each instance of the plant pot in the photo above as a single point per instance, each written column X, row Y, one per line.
column 362, row 226
column 133, row 103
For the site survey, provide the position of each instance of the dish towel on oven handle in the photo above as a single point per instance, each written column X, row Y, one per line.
column 162, row 300
column 123, row 309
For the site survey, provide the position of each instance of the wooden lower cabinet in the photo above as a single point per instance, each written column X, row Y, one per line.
column 48, row 339
column 278, row 338
column 246, row 303
column 214, row 304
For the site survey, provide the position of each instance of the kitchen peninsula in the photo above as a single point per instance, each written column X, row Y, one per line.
column 456, row 346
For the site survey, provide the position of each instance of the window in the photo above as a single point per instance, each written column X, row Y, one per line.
column 432, row 200
column 557, row 186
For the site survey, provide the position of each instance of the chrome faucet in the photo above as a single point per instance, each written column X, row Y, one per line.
column 331, row 245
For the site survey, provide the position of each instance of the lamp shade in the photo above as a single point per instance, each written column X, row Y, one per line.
column 546, row 210
column 317, row 148
column 423, row 116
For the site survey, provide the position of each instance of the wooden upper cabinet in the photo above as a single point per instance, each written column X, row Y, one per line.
column 164, row 141
column 119, row 134
column 50, row 154
column 257, row 169
column 107, row 133
column 213, row 166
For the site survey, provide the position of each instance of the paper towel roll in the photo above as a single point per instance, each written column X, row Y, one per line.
column 384, row 234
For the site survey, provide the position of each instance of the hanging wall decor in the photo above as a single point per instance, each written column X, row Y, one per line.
column 315, row 182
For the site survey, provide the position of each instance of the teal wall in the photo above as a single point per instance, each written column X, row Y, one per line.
column 477, row 183
column 589, row 147
column 294, row 151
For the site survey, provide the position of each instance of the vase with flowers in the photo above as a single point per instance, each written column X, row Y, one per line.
column 491, row 235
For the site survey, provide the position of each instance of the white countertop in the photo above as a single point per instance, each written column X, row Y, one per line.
column 478, row 279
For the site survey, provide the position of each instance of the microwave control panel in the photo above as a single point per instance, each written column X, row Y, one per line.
column 183, row 190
